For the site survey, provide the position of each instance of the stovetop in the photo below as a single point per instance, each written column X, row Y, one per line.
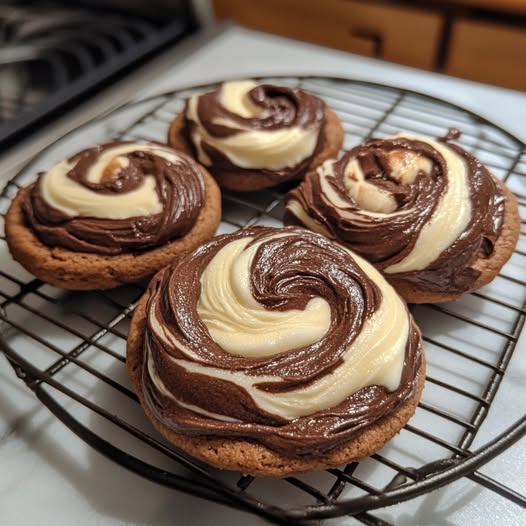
column 52, row 54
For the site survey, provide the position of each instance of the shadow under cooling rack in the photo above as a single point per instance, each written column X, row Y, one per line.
column 69, row 348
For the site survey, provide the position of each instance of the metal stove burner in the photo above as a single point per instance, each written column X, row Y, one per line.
column 49, row 56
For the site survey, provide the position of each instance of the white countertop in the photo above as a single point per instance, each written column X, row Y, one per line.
column 48, row 476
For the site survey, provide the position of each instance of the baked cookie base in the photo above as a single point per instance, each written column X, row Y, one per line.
column 488, row 267
column 252, row 458
column 252, row 180
column 71, row 270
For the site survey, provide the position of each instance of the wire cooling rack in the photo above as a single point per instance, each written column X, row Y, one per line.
column 69, row 348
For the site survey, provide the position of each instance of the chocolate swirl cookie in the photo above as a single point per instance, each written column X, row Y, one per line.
column 112, row 214
column 275, row 351
column 252, row 136
column 426, row 213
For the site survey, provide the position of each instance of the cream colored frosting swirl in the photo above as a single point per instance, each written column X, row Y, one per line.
column 255, row 126
column 269, row 327
column 409, row 205
column 72, row 198
column 375, row 357
column 116, row 197
column 241, row 325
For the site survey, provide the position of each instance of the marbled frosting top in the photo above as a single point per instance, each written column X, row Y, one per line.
column 244, row 126
column 279, row 336
column 418, row 209
column 116, row 197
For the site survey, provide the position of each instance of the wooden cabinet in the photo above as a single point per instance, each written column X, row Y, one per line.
column 399, row 34
column 450, row 36
column 488, row 52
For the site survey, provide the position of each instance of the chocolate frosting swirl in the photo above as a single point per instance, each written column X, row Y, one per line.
column 386, row 239
column 179, row 187
column 281, row 108
column 287, row 271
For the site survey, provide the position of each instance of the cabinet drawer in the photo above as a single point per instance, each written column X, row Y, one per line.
column 398, row 34
column 488, row 52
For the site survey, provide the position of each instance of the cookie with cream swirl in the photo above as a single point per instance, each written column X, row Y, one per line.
column 112, row 214
column 276, row 342
column 426, row 213
column 252, row 136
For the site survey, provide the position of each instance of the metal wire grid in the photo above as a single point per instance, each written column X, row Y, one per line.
column 68, row 347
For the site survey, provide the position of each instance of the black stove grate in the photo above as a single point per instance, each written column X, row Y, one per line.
column 51, row 55
column 69, row 348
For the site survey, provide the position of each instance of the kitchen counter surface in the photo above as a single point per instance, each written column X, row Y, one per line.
column 48, row 476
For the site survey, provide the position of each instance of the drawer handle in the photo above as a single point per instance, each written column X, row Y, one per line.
column 370, row 36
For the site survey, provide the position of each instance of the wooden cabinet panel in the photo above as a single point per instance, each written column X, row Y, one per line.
column 398, row 34
column 488, row 53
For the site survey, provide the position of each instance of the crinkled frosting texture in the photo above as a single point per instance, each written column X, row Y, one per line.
column 115, row 198
column 293, row 392
column 420, row 210
column 244, row 126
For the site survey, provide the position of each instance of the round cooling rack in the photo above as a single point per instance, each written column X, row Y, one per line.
column 69, row 348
